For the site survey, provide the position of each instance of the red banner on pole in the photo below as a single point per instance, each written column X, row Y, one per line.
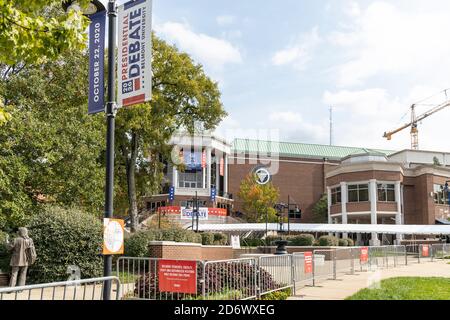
column 204, row 159
column 221, row 167
column 308, row 262
column 425, row 250
column 177, row 276
column 364, row 255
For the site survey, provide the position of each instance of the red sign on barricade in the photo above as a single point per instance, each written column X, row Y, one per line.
column 425, row 250
column 308, row 262
column 177, row 276
column 364, row 254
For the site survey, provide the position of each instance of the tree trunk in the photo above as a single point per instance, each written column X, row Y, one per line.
column 131, row 181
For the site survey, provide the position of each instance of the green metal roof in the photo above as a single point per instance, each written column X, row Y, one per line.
column 301, row 150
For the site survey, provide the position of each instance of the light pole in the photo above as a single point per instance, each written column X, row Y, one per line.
column 280, row 207
column 97, row 6
column 194, row 210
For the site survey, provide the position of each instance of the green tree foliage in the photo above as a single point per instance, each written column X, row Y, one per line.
column 320, row 210
column 38, row 30
column 51, row 150
column 64, row 238
column 258, row 199
column 182, row 96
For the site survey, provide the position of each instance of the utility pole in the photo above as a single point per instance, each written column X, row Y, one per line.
column 110, row 122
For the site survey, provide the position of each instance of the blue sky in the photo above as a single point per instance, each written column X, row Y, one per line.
column 281, row 64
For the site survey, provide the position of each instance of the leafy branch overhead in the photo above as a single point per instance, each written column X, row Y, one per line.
column 29, row 32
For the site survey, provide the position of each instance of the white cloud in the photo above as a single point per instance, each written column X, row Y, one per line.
column 299, row 53
column 361, row 118
column 387, row 40
column 225, row 20
column 294, row 127
column 369, row 102
column 213, row 53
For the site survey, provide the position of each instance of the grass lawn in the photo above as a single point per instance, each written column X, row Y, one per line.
column 407, row 288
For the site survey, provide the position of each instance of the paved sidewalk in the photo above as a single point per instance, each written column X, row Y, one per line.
column 348, row 285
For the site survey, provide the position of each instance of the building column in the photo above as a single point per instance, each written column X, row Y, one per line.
column 373, row 210
column 344, row 200
column 174, row 177
column 330, row 220
column 358, row 239
column 398, row 216
column 208, row 169
column 336, row 234
column 217, row 172
column 225, row 173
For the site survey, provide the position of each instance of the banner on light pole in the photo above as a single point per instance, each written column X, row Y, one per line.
column 134, row 72
column 96, row 101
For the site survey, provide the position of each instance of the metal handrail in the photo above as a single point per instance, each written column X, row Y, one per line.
column 69, row 283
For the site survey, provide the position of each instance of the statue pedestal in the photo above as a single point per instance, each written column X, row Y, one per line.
column 281, row 247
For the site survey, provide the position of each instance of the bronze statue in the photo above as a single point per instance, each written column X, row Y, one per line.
column 23, row 256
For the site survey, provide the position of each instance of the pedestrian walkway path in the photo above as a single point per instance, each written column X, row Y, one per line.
column 348, row 285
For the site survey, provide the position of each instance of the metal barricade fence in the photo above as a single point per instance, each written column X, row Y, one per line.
column 440, row 251
column 302, row 277
column 324, row 265
column 140, row 280
column 235, row 279
column 360, row 266
column 425, row 253
column 276, row 272
column 344, row 262
column 84, row 289
column 412, row 253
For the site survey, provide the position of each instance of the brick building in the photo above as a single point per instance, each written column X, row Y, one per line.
column 407, row 186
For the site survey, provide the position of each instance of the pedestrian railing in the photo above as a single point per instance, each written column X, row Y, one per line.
column 140, row 279
column 303, row 269
column 236, row 279
column 276, row 272
column 440, row 251
column 324, row 265
column 84, row 289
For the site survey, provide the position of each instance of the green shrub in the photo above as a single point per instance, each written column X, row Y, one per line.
column 271, row 239
column 278, row 295
column 350, row 242
column 4, row 254
column 304, row 240
column 343, row 242
column 65, row 237
column 137, row 244
column 328, row 241
column 220, row 239
column 207, row 238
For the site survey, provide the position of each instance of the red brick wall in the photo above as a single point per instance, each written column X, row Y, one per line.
column 189, row 251
column 303, row 182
